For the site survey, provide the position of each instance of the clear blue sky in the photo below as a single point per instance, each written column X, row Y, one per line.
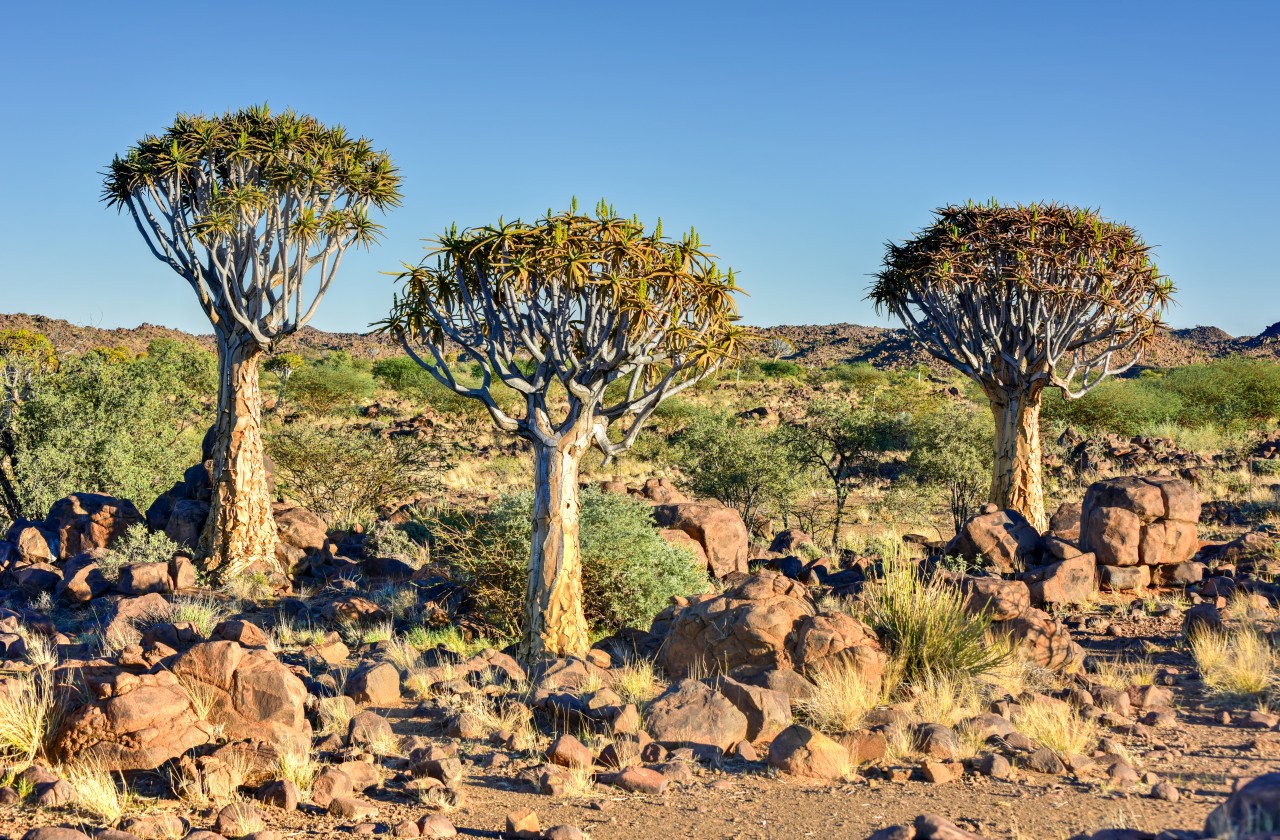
column 796, row 136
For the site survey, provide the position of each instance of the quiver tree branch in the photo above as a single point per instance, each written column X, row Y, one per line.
column 592, row 321
column 1019, row 299
column 255, row 211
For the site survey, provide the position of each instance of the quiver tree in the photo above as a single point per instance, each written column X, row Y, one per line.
column 255, row 211
column 1019, row 299
column 592, row 321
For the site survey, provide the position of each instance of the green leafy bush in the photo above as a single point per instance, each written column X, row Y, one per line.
column 859, row 376
column 104, row 424
column 345, row 475
column 330, row 385
column 952, row 450
column 746, row 466
column 139, row 544
column 1229, row 393
column 629, row 573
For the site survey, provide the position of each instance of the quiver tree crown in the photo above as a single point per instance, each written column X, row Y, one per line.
column 246, row 204
column 589, row 318
column 1023, row 295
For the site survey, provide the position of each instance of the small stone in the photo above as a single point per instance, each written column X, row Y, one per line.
column 436, row 825
column 523, row 824
column 1165, row 791
column 568, row 751
column 407, row 828
column 1044, row 760
column 564, row 832
column 939, row 773
column 282, row 794
column 994, row 765
column 350, row 808
column 639, row 780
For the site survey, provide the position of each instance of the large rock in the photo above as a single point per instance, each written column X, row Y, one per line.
column 1252, row 810
column 691, row 713
column 1001, row 599
column 802, row 751
column 301, row 534
column 1043, row 640
column 88, row 521
column 1070, row 581
column 1004, row 538
column 720, row 531
column 1129, row 521
column 254, row 695
column 680, row 539
column 138, row 723
column 768, row 622
column 33, row 542
column 767, row 711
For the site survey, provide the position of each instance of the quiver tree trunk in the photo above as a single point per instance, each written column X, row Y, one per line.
column 241, row 531
column 1017, row 480
column 555, row 624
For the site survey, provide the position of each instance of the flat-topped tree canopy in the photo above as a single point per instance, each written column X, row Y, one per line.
column 579, row 301
column 244, row 205
column 1026, row 293
column 1020, row 298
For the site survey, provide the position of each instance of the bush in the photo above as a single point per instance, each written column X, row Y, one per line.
column 327, row 386
column 779, row 369
column 410, row 381
column 860, row 376
column 346, row 475
column 952, row 449
column 924, row 625
column 1228, row 393
column 746, row 466
column 125, row 428
column 629, row 573
column 137, row 545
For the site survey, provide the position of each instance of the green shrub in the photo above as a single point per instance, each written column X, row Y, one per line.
column 629, row 573
column 395, row 542
column 100, row 424
column 346, row 475
column 327, row 386
column 746, row 466
column 139, row 544
column 412, row 382
column 952, row 450
column 924, row 626
column 859, row 376
column 779, row 369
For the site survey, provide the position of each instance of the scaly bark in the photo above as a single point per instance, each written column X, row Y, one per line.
column 241, row 530
column 1017, row 480
column 555, row 624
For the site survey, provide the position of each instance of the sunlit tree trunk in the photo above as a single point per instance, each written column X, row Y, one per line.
column 1017, row 481
column 241, row 530
column 555, row 624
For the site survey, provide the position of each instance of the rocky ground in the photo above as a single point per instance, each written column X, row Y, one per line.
column 312, row 711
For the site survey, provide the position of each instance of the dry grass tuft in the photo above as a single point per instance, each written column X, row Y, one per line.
column 97, row 792
column 29, row 715
column 637, row 681
column 840, row 699
column 1057, row 726
column 1239, row 664
column 298, row 766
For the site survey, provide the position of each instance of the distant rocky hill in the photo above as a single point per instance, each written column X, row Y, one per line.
column 810, row 345
column 72, row 338
column 882, row 347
